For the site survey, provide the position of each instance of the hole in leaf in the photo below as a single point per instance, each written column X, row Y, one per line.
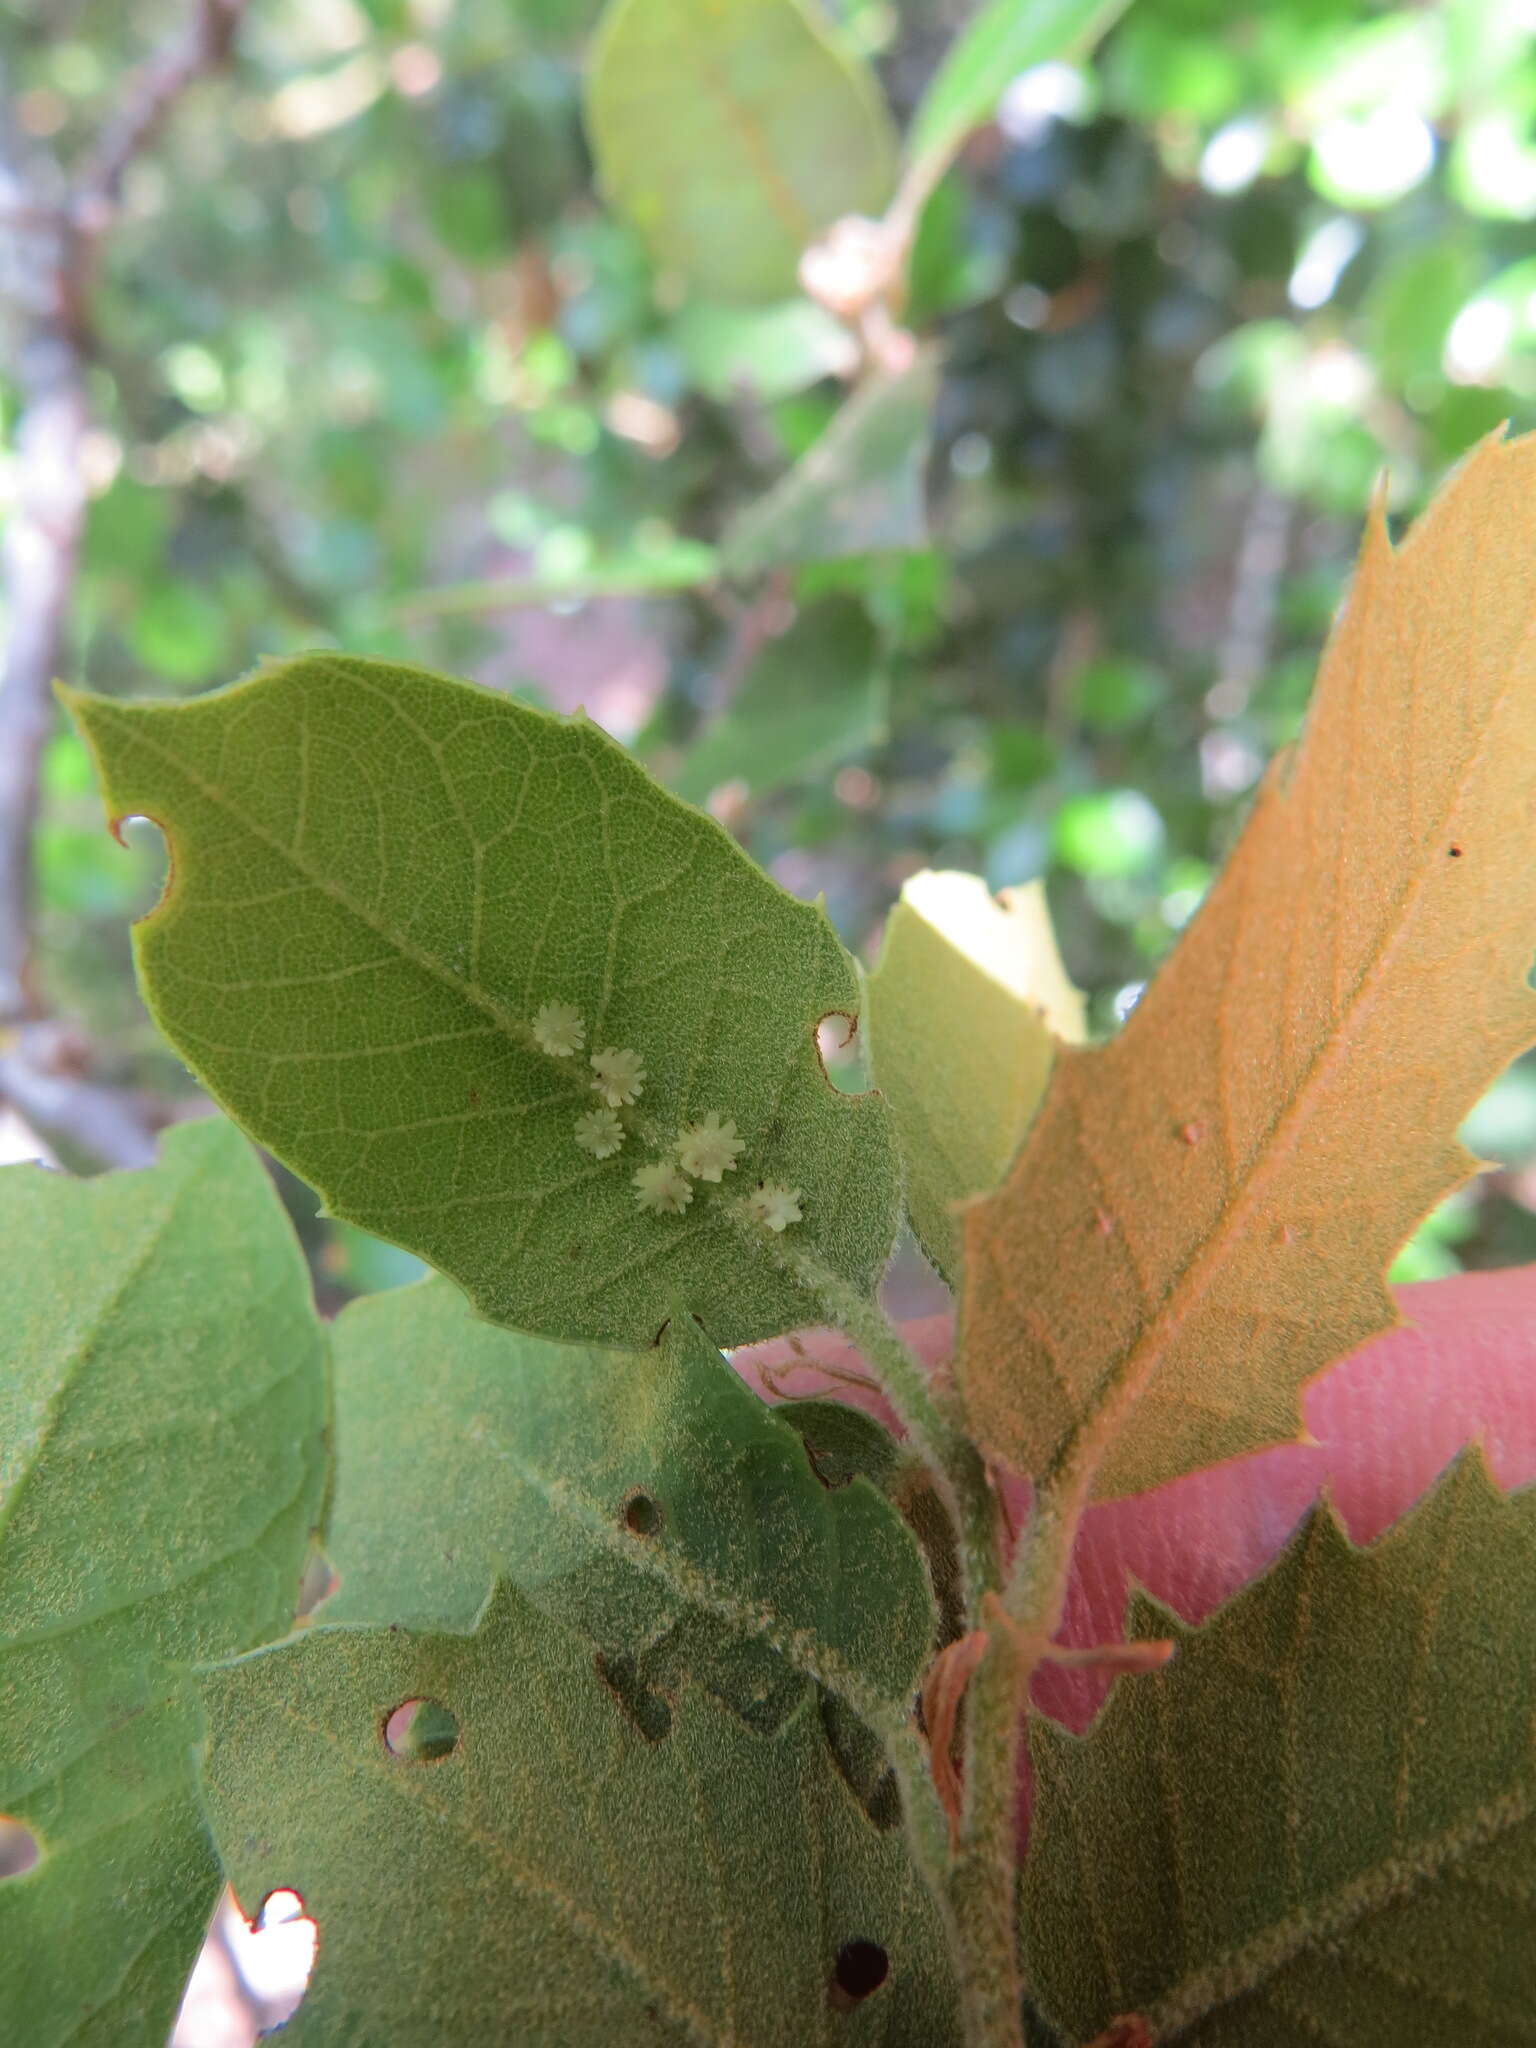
column 19, row 1849
column 421, row 1732
column 154, row 858
column 642, row 1515
column 265, row 1964
column 317, row 1582
column 834, row 1034
column 841, row 1052
column 861, row 1968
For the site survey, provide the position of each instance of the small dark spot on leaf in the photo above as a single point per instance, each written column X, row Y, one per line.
column 18, row 1847
column 421, row 1731
column 861, row 1968
column 474, row 1098
column 1453, row 852
column 642, row 1515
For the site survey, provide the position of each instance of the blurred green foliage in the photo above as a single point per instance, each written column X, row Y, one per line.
column 369, row 333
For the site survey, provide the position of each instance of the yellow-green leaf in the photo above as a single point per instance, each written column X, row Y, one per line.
column 1206, row 1207
column 569, row 1880
column 381, row 880
column 162, row 1459
column 1318, row 1824
column 733, row 133
column 966, row 1008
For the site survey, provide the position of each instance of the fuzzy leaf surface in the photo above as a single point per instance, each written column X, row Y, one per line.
column 162, row 1460
column 966, row 1008
column 380, row 877
column 1205, row 1209
column 743, row 1567
column 1318, row 1824
column 733, row 136
column 586, row 1884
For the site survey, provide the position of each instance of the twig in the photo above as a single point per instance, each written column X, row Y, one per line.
column 103, row 1124
column 1256, row 580
column 203, row 46
column 38, row 565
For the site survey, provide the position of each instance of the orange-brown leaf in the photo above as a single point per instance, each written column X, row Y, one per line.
column 1204, row 1213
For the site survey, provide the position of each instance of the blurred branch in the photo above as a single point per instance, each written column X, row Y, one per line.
column 1257, row 576
column 753, row 624
column 38, row 1080
column 52, row 228
column 685, row 565
column 41, row 277
column 203, row 46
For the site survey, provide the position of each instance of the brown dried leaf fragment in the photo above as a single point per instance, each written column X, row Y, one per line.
column 943, row 1690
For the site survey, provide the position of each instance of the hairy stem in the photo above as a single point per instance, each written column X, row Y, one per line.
column 983, row 1887
column 934, row 1433
column 985, row 1883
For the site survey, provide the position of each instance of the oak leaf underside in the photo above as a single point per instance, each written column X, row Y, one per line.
column 1318, row 1825
column 1204, row 1213
column 574, row 1882
column 380, row 876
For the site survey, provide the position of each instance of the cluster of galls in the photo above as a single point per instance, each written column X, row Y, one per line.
column 705, row 1150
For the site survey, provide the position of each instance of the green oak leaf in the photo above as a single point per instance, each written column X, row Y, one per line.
column 380, row 878
column 857, row 490
column 1319, row 1823
column 811, row 699
column 162, row 1462
column 575, row 1881
column 650, row 1499
column 966, row 1008
column 734, row 136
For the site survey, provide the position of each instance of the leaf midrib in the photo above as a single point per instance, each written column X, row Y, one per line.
column 1246, row 1969
column 799, row 1647
column 581, row 1921
column 75, row 1362
column 221, row 800
column 512, row 1027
